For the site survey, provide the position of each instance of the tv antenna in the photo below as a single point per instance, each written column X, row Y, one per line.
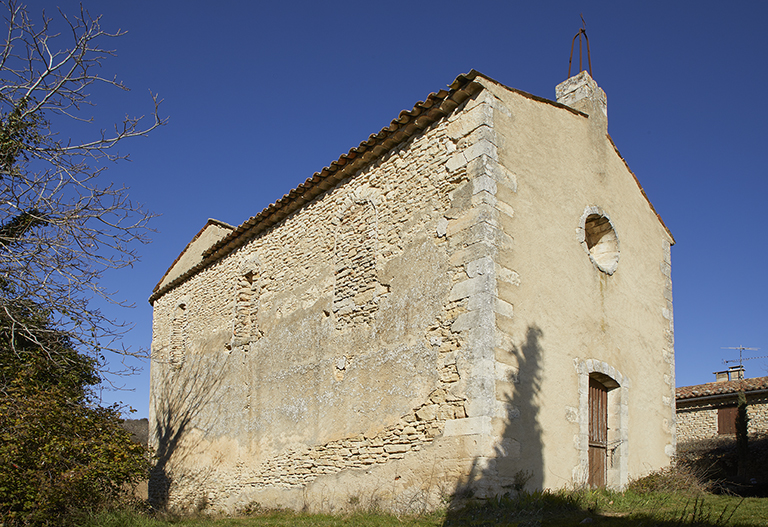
column 742, row 349
column 582, row 31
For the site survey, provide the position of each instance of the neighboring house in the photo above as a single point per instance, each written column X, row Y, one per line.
column 477, row 296
column 708, row 410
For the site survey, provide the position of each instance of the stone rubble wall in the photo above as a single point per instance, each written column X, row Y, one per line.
column 700, row 421
column 298, row 466
column 333, row 267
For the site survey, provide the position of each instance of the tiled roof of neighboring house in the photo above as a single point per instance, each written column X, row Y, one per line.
column 408, row 123
column 721, row 388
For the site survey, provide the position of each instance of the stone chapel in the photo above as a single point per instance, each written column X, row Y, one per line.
column 475, row 299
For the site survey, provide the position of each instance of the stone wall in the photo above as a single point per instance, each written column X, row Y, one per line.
column 699, row 421
column 338, row 338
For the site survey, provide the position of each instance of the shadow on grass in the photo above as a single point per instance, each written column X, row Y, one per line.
column 715, row 460
column 596, row 508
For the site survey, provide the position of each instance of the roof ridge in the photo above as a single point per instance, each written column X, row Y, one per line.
column 721, row 387
column 408, row 123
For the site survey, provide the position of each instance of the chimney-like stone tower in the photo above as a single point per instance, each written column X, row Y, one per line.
column 582, row 93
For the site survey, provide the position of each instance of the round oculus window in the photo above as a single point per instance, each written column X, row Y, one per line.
column 600, row 240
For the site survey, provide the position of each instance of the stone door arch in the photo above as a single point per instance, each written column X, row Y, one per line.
column 603, row 418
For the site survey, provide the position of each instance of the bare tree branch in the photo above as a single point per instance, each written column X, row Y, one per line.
column 61, row 227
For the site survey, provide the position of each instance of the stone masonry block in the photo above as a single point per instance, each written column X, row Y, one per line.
column 478, row 214
column 471, row 319
column 503, row 308
column 504, row 274
column 489, row 166
column 481, row 133
column 507, row 291
column 482, row 98
column 470, row 120
column 505, row 391
column 455, row 162
column 470, row 253
column 505, row 208
column 506, row 222
column 505, row 372
column 461, row 201
column 506, row 410
column 484, row 198
column 481, row 266
column 482, row 232
column 473, row 286
column 427, row 413
column 504, row 341
column 484, row 301
column 505, row 194
column 468, row 426
column 506, row 257
column 481, row 397
column 504, row 323
column 666, row 269
column 483, row 183
column 442, row 227
column 483, row 147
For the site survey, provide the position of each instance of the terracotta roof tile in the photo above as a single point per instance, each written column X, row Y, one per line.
column 721, row 388
column 407, row 124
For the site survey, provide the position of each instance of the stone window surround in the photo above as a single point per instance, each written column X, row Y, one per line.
column 365, row 197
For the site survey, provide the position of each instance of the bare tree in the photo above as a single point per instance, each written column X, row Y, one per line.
column 61, row 227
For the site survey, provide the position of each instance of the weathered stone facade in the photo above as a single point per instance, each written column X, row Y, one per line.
column 420, row 318
column 698, row 407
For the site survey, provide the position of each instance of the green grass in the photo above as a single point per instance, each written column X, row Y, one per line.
column 267, row 519
column 539, row 508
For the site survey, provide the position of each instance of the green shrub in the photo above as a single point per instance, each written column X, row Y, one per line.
column 678, row 477
column 60, row 454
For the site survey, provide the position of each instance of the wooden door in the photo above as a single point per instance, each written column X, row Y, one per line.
column 598, row 433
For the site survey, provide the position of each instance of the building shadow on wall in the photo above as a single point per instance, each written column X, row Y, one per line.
column 506, row 487
column 515, row 463
column 180, row 400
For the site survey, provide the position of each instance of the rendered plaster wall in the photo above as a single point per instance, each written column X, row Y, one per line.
column 699, row 421
column 570, row 318
column 341, row 356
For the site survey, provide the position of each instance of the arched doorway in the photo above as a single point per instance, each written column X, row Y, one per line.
column 600, row 434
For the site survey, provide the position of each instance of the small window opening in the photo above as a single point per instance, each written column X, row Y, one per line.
column 178, row 335
column 245, row 309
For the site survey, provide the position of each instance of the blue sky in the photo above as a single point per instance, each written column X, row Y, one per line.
column 262, row 95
